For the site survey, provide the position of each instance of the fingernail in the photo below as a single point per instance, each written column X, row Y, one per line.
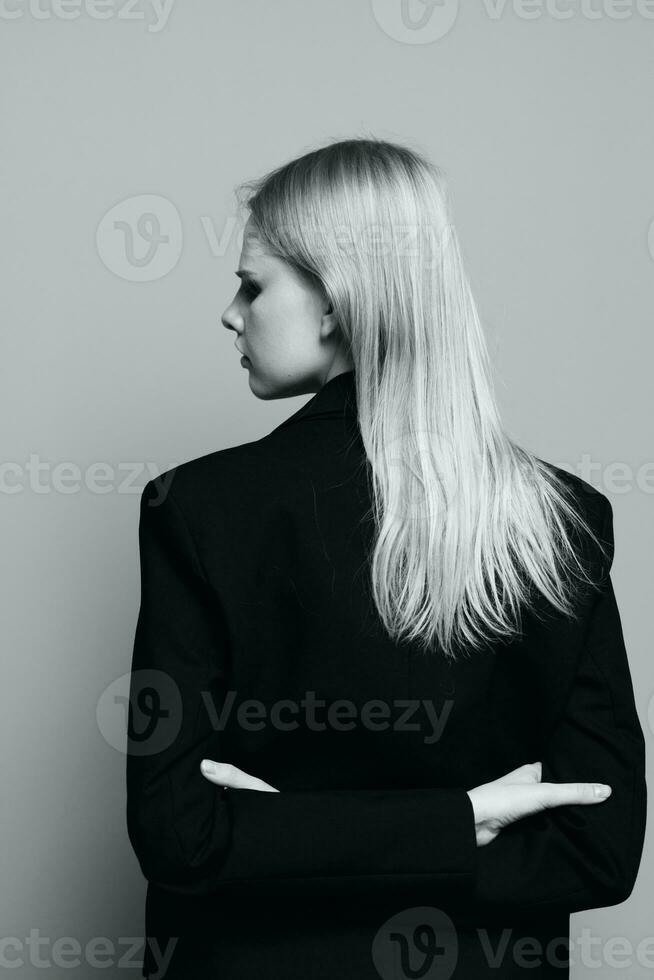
column 207, row 764
column 602, row 790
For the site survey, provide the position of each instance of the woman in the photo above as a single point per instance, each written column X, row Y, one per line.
column 378, row 670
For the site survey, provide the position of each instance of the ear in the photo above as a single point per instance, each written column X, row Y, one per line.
column 327, row 307
column 329, row 323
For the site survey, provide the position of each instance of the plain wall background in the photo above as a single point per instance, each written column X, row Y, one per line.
column 543, row 124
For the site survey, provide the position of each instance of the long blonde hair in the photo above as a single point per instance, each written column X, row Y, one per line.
column 467, row 523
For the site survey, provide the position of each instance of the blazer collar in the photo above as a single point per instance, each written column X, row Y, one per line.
column 336, row 398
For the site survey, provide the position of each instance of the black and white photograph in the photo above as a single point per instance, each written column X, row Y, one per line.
column 327, row 489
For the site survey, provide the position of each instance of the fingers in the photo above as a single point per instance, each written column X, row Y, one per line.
column 555, row 794
column 513, row 802
column 227, row 775
column 531, row 772
column 560, row 794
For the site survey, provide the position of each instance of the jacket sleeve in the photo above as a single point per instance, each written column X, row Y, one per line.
column 194, row 838
column 581, row 856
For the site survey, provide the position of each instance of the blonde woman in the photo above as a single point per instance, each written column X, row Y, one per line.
column 381, row 721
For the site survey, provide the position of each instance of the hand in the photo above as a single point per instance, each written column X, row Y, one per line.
column 225, row 775
column 519, row 794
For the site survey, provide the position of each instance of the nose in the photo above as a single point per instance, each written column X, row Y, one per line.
column 229, row 319
column 225, row 319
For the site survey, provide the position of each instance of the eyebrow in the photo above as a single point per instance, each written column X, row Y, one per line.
column 245, row 272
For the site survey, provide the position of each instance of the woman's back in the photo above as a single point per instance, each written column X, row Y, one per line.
column 256, row 608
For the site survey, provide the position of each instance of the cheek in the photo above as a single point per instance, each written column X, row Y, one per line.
column 279, row 321
column 267, row 319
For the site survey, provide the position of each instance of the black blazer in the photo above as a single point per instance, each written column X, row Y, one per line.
column 255, row 598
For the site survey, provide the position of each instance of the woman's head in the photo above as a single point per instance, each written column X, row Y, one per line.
column 357, row 266
column 284, row 324
column 349, row 239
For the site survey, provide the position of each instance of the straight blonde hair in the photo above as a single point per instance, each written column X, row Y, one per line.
column 467, row 523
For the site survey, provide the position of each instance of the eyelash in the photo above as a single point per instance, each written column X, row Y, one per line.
column 249, row 289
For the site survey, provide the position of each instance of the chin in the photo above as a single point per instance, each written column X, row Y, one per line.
column 259, row 387
column 268, row 389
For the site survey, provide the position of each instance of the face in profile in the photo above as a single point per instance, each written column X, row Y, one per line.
column 283, row 323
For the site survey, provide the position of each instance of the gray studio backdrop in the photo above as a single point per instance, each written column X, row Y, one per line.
column 125, row 127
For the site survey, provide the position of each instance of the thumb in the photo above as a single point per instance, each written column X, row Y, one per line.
column 531, row 772
column 229, row 776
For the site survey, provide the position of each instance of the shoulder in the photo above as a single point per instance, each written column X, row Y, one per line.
column 595, row 510
column 236, row 477
column 590, row 502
